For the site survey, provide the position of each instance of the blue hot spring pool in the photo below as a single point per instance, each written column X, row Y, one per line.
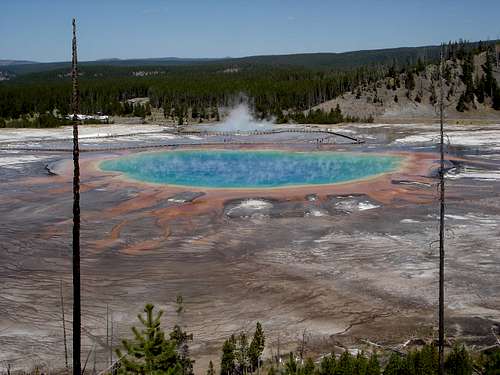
column 249, row 169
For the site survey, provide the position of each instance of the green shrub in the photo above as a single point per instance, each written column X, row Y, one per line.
column 458, row 362
column 491, row 363
column 151, row 352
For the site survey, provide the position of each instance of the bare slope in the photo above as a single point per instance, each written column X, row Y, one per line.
column 396, row 99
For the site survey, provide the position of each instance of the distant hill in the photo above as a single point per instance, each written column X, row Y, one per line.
column 338, row 61
column 21, row 69
column 344, row 60
column 4, row 62
column 413, row 96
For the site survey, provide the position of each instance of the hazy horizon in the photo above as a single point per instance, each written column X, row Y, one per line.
column 41, row 32
column 226, row 57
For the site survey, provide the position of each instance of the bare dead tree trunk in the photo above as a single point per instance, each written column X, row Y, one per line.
column 107, row 331
column 441, row 220
column 302, row 347
column 111, row 339
column 87, row 359
column 76, row 216
column 94, row 363
column 279, row 353
column 64, row 328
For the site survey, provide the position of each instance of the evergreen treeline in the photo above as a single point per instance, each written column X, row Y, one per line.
column 318, row 116
column 476, row 88
column 42, row 121
column 105, row 96
column 196, row 93
column 152, row 351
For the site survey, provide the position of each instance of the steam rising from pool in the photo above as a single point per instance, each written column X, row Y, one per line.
column 250, row 169
column 240, row 119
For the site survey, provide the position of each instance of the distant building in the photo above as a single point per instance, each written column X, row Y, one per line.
column 103, row 119
column 5, row 76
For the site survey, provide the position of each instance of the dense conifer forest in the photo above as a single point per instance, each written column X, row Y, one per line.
column 196, row 91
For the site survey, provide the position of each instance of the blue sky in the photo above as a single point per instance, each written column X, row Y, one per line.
column 41, row 29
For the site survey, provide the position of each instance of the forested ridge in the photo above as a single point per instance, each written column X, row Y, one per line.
column 326, row 60
column 195, row 92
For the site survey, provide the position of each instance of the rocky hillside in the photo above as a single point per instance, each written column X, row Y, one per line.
column 412, row 94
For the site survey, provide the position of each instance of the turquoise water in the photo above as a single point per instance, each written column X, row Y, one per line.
column 249, row 169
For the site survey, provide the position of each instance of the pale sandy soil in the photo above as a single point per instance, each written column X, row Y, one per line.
column 408, row 109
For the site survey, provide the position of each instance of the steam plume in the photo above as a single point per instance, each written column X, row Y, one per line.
column 240, row 119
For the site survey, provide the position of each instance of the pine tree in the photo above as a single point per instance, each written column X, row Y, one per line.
column 467, row 78
column 360, row 365
column 345, row 364
column 420, row 67
column 394, row 365
column 291, row 366
column 150, row 351
column 496, row 99
column 429, row 359
column 139, row 110
column 480, row 90
column 242, row 353
column 181, row 340
column 309, row 367
column 373, row 365
column 461, row 103
column 458, row 362
column 338, row 112
column 490, row 83
column 227, row 364
column 492, row 363
column 257, row 346
column 327, row 365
